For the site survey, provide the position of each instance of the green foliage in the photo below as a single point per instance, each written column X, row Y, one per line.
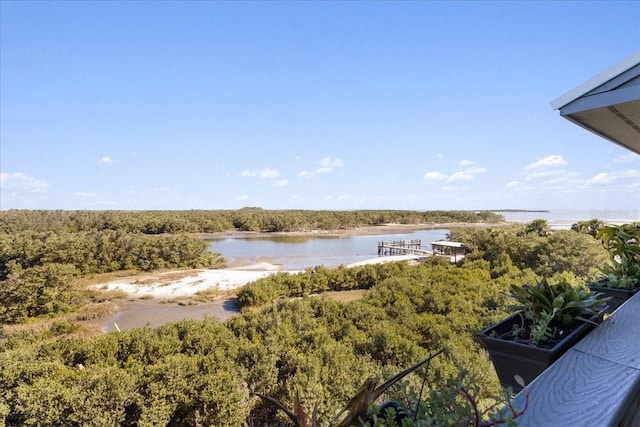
column 455, row 403
column 38, row 269
column 547, row 304
column 621, row 240
column 539, row 227
column 587, row 227
column 246, row 219
column 204, row 373
column 38, row 291
column 315, row 280
column 623, row 244
column 181, row 374
column 510, row 250
column 103, row 251
column 359, row 405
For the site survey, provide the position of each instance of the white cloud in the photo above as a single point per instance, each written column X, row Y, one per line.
column 518, row 186
column 106, row 160
column 327, row 165
column 549, row 161
column 242, row 198
column 544, row 173
column 466, row 175
column 269, row 173
column 554, row 181
column 603, row 178
column 440, row 156
column 466, row 163
column 281, row 183
column 261, row 173
column 460, row 176
column 22, row 181
column 627, row 158
column 448, row 188
column 475, row 171
column 608, row 178
column 433, row 176
column 329, row 162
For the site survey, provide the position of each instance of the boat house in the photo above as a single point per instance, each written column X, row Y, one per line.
column 454, row 250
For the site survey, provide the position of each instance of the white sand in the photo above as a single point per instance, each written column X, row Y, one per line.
column 382, row 260
column 223, row 279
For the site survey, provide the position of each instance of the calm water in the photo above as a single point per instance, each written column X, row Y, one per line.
column 564, row 218
column 300, row 252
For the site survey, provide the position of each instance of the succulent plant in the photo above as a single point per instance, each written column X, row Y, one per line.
column 545, row 305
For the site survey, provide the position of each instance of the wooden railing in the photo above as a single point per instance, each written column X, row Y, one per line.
column 402, row 247
column 596, row 383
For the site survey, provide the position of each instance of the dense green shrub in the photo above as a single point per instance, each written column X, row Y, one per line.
column 209, row 221
column 315, row 280
column 514, row 248
column 205, row 373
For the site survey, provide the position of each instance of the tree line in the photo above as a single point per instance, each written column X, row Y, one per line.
column 210, row 221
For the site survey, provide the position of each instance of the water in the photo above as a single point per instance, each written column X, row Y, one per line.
column 300, row 252
column 564, row 218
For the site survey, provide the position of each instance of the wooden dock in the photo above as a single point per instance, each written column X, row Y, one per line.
column 402, row 247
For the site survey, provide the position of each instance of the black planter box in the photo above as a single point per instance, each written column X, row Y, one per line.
column 512, row 358
column 618, row 296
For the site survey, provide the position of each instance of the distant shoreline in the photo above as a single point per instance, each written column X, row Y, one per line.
column 373, row 230
column 522, row 210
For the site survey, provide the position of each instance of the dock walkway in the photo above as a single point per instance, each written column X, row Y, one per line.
column 403, row 247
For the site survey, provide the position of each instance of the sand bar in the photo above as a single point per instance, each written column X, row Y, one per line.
column 160, row 286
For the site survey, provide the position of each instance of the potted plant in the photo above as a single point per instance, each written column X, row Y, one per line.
column 548, row 320
column 622, row 277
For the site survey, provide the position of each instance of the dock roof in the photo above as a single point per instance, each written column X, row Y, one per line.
column 447, row 243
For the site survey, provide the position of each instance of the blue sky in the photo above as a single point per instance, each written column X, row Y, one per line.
column 307, row 105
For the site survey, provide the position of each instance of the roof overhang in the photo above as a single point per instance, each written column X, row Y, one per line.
column 447, row 243
column 608, row 104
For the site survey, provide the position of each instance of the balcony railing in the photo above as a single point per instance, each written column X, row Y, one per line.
column 596, row 383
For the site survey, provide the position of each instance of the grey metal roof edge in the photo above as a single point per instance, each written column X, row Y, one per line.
column 598, row 80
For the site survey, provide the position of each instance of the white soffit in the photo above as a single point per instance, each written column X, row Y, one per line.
column 608, row 74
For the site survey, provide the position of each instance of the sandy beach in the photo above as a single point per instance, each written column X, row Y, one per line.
column 165, row 285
